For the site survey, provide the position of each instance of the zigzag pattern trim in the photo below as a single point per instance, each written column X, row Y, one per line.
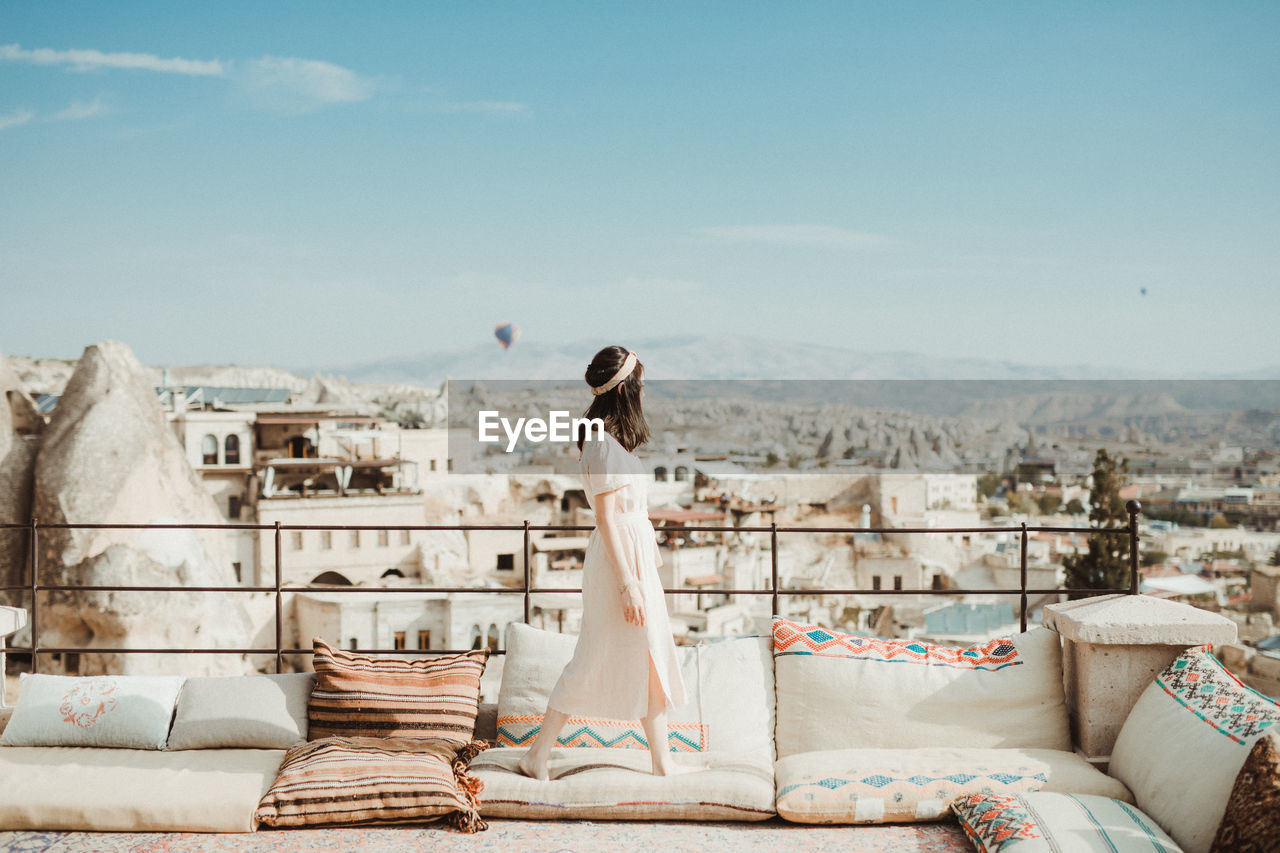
column 1197, row 681
column 877, row 781
column 521, row 729
column 790, row 638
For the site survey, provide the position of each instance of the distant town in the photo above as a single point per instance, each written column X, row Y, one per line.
column 328, row 453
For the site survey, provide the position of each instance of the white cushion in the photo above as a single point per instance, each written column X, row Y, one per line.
column 1044, row 822
column 248, row 711
column 618, row 784
column 729, row 684
column 1185, row 741
column 892, row 785
column 843, row 691
column 131, row 711
column 127, row 790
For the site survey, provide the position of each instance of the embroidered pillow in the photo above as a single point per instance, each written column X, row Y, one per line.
column 729, row 685
column 844, row 691
column 371, row 696
column 1252, row 821
column 248, row 711
column 1052, row 823
column 127, row 711
column 1214, row 720
column 374, row 780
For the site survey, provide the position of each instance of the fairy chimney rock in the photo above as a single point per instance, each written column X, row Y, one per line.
column 20, row 428
column 109, row 456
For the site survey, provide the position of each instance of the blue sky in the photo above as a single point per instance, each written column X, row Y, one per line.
column 317, row 184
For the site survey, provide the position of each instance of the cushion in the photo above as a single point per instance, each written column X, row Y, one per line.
column 366, row 696
column 843, row 691
column 890, row 785
column 1214, row 719
column 264, row 711
column 373, row 780
column 1252, row 820
column 618, row 784
column 728, row 685
column 1044, row 822
column 129, row 711
column 131, row 790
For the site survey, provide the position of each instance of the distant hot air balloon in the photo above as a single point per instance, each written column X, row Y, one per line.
column 1144, row 291
column 506, row 333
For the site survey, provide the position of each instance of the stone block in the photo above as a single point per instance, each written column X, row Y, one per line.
column 1113, row 647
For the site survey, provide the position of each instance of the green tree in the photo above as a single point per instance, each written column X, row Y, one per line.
column 989, row 484
column 1075, row 507
column 1106, row 564
column 1275, row 557
column 1049, row 503
column 1220, row 522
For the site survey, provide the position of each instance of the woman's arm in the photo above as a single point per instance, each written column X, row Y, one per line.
column 611, row 537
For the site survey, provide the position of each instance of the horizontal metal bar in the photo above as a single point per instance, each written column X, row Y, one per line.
column 488, row 590
column 91, row 650
column 516, row 528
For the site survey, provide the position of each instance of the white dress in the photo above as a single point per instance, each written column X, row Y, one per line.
column 608, row 676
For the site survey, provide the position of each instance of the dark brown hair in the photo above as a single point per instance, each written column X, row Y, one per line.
column 619, row 407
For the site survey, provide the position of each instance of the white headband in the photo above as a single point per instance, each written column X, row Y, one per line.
column 628, row 365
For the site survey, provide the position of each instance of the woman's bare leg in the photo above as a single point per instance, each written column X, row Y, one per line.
column 655, row 728
column 534, row 762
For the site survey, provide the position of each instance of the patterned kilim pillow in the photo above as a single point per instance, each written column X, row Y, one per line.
column 844, row 691
column 1184, row 742
column 1042, row 822
column 1252, row 821
column 367, row 696
column 374, row 780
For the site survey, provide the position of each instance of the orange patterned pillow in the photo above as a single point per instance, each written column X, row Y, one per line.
column 369, row 696
column 374, row 780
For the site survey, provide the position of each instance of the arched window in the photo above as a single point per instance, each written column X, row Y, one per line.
column 660, row 474
column 209, row 450
column 682, row 473
column 330, row 579
column 476, row 637
column 231, row 450
column 492, row 639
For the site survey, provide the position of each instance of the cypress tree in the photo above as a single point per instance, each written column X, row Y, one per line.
column 1106, row 564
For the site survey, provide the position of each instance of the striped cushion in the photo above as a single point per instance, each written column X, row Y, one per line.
column 365, row 696
column 373, row 780
column 1041, row 822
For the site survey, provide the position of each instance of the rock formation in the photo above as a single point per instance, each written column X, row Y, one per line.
column 109, row 456
column 20, row 428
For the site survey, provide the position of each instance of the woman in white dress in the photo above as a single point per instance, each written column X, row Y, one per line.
column 624, row 666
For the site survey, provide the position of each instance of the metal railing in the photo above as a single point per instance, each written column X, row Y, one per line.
column 278, row 589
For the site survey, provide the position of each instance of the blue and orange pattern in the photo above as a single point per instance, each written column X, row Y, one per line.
column 791, row 638
column 520, row 730
column 1206, row 688
column 991, row 821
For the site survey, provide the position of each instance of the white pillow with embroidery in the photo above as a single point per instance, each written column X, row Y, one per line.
column 729, row 684
column 127, row 711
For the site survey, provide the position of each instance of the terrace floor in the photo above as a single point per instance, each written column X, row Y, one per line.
column 522, row 835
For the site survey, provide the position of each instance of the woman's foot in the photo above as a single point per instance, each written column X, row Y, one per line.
column 533, row 766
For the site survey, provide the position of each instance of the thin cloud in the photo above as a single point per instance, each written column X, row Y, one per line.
column 292, row 83
column 806, row 236
column 79, row 110
column 17, row 118
column 92, row 60
column 494, row 107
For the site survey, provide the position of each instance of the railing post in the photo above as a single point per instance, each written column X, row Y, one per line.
column 528, row 574
column 1022, row 583
column 279, row 601
column 1133, row 508
column 773, row 556
column 33, row 561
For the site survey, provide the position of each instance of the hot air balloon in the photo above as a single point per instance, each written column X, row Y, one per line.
column 1144, row 291
column 507, row 334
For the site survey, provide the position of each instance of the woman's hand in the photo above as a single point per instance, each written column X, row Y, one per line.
column 633, row 604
